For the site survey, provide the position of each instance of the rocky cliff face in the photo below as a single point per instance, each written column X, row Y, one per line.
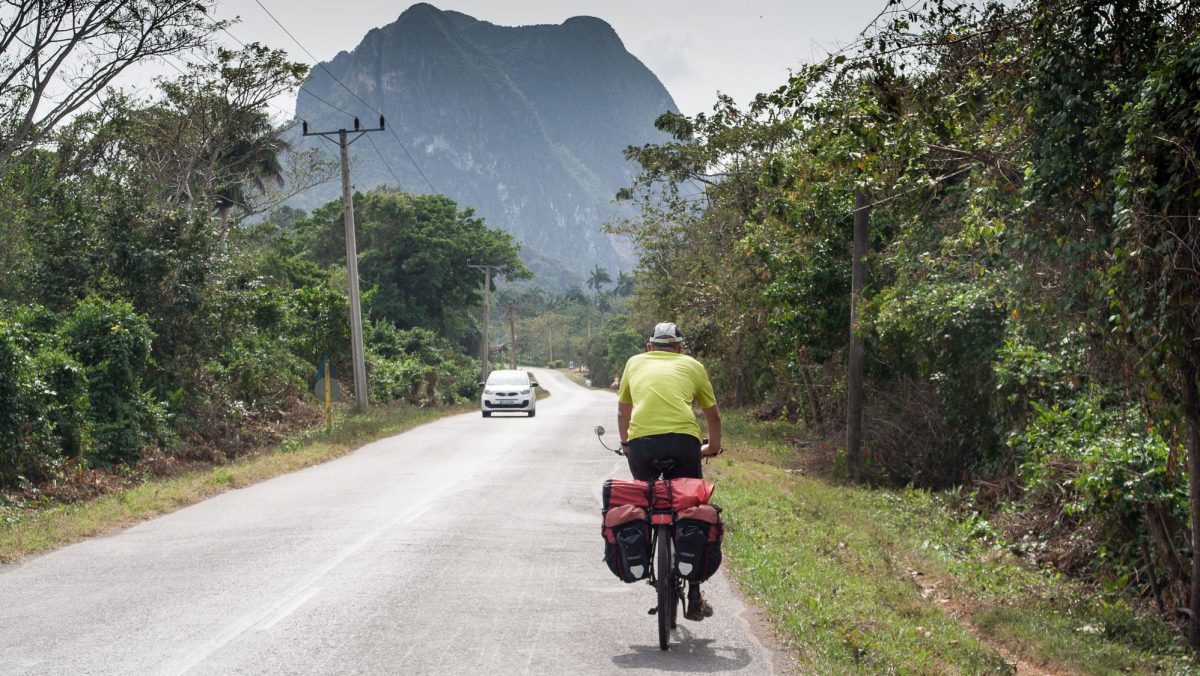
column 524, row 124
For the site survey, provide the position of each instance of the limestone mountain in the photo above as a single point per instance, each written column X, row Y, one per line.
column 524, row 124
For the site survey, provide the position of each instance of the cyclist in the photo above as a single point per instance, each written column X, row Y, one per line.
column 655, row 419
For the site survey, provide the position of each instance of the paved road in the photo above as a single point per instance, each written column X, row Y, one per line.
column 462, row 547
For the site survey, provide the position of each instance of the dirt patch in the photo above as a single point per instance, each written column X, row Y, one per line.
column 962, row 610
column 815, row 457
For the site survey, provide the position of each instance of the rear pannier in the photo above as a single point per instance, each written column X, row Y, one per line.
column 698, row 534
column 627, row 542
column 625, row 492
column 681, row 494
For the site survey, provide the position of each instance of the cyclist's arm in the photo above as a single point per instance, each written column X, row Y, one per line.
column 713, row 417
column 624, row 413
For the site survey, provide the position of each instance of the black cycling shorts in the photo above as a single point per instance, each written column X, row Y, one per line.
column 684, row 449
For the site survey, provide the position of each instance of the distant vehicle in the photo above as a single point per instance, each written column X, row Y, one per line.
column 509, row 391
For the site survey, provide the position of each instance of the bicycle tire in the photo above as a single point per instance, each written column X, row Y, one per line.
column 665, row 587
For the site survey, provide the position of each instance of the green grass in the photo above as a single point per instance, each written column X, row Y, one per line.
column 27, row 532
column 574, row 376
column 893, row 581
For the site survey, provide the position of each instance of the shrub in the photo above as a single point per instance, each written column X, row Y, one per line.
column 112, row 343
column 945, row 337
column 1105, row 466
column 43, row 399
column 416, row 366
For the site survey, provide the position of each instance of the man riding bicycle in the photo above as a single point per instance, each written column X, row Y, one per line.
column 655, row 420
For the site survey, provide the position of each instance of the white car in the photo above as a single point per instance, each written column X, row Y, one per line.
column 508, row 390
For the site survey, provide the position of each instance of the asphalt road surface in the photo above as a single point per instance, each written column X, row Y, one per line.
column 467, row 546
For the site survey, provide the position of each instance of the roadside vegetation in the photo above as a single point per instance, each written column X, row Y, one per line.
column 160, row 312
column 891, row 580
column 1029, row 173
column 35, row 523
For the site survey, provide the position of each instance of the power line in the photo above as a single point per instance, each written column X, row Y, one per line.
column 317, row 61
column 300, row 90
column 335, row 107
column 321, row 65
column 399, row 184
column 388, row 166
column 414, row 162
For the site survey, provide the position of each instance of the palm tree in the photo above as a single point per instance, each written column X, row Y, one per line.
column 598, row 279
column 625, row 282
column 248, row 161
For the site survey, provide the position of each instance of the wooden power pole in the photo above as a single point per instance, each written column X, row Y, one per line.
column 512, row 339
column 854, row 376
column 487, row 338
column 356, row 330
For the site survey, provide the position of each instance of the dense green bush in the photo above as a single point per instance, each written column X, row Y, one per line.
column 1107, row 468
column 945, row 337
column 417, row 367
column 74, row 393
column 112, row 343
column 43, row 400
column 619, row 345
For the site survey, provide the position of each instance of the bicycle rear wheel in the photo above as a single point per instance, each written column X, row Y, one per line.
column 665, row 586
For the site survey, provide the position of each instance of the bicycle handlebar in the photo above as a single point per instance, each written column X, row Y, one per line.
column 599, row 431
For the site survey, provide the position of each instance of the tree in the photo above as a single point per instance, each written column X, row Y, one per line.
column 415, row 251
column 625, row 284
column 56, row 56
column 211, row 137
column 598, row 278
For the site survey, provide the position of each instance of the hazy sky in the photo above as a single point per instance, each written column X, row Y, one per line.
column 696, row 47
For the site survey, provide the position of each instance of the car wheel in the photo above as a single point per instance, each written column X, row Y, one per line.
column 487, row 414
column 532, row 413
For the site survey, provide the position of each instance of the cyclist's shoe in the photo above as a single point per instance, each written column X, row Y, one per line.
column 697, row 610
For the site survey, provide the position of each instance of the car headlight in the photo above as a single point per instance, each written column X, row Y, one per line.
column 525, row 391
column 487, row 391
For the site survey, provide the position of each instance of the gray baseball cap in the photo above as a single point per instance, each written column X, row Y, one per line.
column 666, row 333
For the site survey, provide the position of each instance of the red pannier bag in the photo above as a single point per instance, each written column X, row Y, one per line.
column 698, row 535
column 619, row 492
column 626, row 529
column 627, row 542
column 687, row 493
column 681, row 494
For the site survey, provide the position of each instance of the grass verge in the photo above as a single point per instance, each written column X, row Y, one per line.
column 574, row 376
column 27, row 532
column 861, row 580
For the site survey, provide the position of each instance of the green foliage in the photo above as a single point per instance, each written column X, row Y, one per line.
column 1103, row 464
column 112, row 344
column 947, row 335
column 43, row 399
column 621, row 345
column 417, row 367
column 415, row 250
column 1032, row 296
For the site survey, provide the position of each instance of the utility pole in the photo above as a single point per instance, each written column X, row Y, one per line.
column 487, row 338
column 512, row 338
column 356, row 330
column 854, row 378
column 550, row 339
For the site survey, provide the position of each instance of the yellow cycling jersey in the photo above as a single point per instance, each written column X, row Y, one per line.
column 661, row 386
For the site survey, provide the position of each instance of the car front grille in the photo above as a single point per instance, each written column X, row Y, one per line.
column 520, row 404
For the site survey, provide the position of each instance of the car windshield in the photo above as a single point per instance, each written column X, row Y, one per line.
column 508, row 379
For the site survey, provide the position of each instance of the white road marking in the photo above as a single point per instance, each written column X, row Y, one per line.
column 291, row 608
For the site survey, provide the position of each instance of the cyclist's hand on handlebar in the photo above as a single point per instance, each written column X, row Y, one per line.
column 707, row 451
